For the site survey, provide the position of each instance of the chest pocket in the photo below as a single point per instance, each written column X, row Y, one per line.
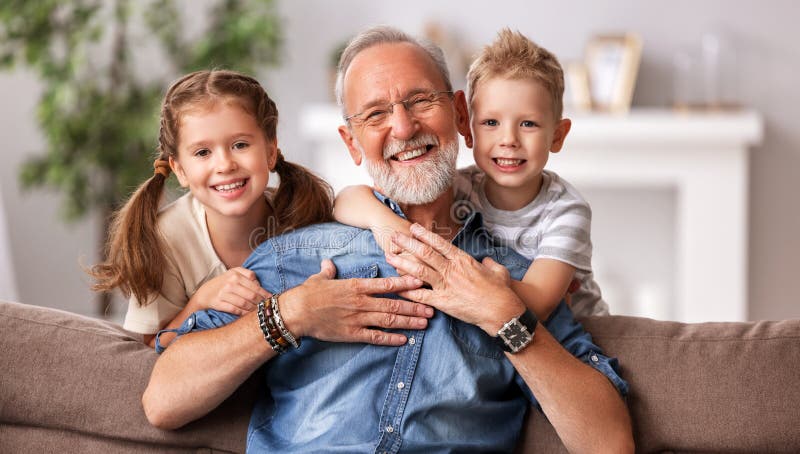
column 365, row 271
column 474, row 340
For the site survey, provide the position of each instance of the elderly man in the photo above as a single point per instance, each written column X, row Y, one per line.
column 465, row 381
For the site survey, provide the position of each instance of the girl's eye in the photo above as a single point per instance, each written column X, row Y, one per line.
column 490, row 122
column 528, row 124
column 240, row 145
column 203, row 152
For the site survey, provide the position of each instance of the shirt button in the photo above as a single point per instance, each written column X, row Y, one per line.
column 594, row 358
column 389, row 429
column 401, row 385
column 412, row 341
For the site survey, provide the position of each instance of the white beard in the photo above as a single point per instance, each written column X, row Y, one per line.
column 420, row 184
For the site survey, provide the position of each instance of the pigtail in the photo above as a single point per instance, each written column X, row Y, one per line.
column 135, row 260
column 302, row 198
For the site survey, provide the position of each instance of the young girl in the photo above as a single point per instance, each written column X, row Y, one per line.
column 218, row 136
column 515, row 115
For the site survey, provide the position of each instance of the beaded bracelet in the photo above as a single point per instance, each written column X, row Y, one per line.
column 273, row 302
column 272, row 327
column 262, row 322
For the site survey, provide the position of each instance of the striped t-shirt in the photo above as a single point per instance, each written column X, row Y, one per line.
column 555, row 225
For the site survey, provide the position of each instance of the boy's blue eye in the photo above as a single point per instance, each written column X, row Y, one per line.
column 528, row 124
column 490, row 122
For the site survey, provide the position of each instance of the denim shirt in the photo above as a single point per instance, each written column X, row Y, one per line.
column 448, row 389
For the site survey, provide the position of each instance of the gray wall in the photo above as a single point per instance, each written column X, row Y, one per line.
column 764, row 34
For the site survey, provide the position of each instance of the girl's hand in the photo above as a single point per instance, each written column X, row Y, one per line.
column 235, row 291
column 344, row 310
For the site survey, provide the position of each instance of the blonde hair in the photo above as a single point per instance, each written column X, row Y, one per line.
column 135, row 254
column 514, row 56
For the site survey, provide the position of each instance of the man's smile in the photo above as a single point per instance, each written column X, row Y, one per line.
column 411, row 154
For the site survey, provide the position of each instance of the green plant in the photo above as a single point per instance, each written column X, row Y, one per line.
column 99, row 110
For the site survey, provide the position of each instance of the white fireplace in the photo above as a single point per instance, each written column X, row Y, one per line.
column 679, row 181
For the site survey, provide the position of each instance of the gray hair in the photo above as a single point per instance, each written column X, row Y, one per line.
column 384, row 34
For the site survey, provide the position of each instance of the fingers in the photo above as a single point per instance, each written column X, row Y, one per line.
column 422, row 251
column 384, row 285
column 248, row 274
column 327, row 270
column 389, row 320
column 413, row 268
column 438, row 243
column 378, row 337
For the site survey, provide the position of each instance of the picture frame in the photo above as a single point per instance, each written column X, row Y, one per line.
column 612, row 65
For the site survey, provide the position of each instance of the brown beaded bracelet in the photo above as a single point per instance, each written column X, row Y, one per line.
column 265, row 330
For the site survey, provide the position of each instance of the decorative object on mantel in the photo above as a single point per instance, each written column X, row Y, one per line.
column 704, row 76
column 612, row 62
column 606, row 79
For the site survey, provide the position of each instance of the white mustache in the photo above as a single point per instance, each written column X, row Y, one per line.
column 396, row 146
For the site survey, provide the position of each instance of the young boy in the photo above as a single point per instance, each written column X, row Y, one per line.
column 515, row 91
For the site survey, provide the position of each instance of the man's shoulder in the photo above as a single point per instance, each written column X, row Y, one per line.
column 329, row 235
column 326, row 239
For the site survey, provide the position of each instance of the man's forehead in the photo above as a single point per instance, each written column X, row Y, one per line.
column 390, row 71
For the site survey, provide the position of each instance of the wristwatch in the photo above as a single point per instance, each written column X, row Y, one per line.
column 517, row 333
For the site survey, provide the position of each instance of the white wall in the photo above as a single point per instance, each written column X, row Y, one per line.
column 45, row 253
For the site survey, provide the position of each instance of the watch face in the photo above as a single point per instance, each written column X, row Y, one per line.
column 515, row 335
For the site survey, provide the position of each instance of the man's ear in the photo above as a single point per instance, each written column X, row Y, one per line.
column 560, row 134
column 177, row 169
column 462, row 116
column 349, row 140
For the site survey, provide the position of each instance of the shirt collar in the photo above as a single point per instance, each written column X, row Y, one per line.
column 473, row 220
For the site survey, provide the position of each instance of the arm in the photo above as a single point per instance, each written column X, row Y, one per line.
column 235, row 291
column 357, row 206
column 544, row 285
column 583, row 406
column 201, row 369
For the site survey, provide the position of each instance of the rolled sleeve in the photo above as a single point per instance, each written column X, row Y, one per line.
column 198, row 321
column 571, row 335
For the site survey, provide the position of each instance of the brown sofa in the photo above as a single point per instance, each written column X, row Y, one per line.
column 73, row 384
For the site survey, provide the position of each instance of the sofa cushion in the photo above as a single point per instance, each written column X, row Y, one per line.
column 79, row 381
column 706, row 387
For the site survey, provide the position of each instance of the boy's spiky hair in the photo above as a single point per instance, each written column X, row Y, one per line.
column 514, row 56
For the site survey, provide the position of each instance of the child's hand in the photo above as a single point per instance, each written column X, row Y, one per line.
column 236, row 291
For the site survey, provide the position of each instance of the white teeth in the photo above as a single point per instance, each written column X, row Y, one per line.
column 406, row 155
column 508, row 162
column 229, row 187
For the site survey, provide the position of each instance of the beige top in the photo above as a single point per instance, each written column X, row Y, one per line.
column 191, row 262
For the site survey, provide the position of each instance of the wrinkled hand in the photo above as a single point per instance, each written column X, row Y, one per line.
column 235, row 291
column 476, row 293
column 344, row 310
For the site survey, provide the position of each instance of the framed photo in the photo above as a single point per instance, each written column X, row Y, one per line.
column 612, row 64
column 577, row 94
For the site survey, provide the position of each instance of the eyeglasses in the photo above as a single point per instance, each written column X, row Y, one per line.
column 418, row 105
